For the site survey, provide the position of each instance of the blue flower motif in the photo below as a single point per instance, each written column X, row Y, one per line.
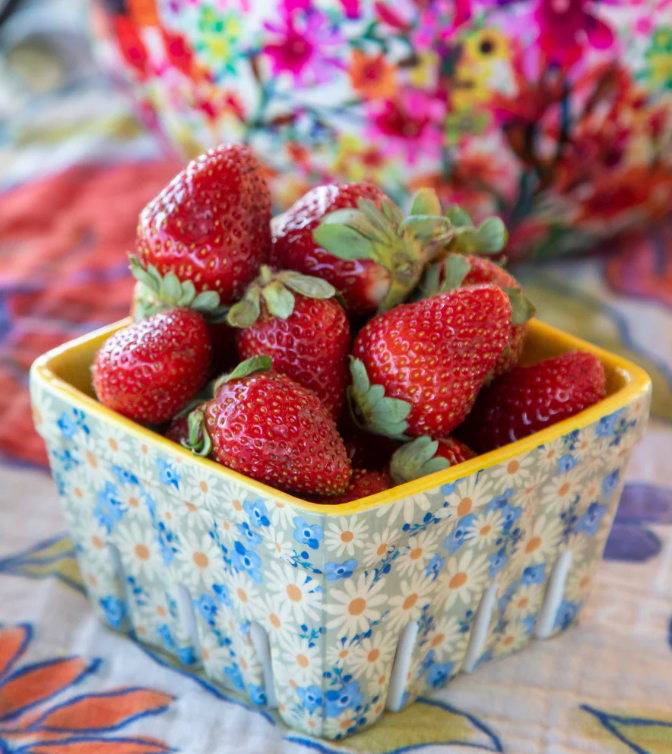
column 186, row 655
column 510, row 515
column 311, row 697
column 460, row 534
column 606, row 427
column 497, row 561
column 109, row 508
column 235, row 676
column 61, row 484
column 591, row 519
column 168, row 474
column 529, row 623
column 503, row 601
column 609, row 483
column 305, row 534
column 566, row 463
column 257, row 513
column 485, row 657
column 248, row 561
column 500, row 502
column 67, row 459
column 115, row 610
column 253, row 539
column 347, row 697
column 222, row 595
column 438, row 674
column 165, row 636
column 257, row 695
column 434, row 567
column 344, row 570
column 124, row 477
column 167, row 541
column 534, row 574
column 448, row 489
column 149, row 502
column 566, row 614
column 207, row 608
column 67, row 426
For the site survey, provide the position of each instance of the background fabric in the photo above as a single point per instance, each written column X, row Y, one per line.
column 76, row 168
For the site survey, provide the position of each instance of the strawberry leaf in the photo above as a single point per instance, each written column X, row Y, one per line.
column 306, row 285
column 261, row 363
column 423, row 227
column 188, row 294
column 391, row 211
column 245, row 313
column 205, row 301
column 171, row 290
column 458, row 217
column 343, row 242
column 378, row 413
column 279, row 300
column 456, row 269
column 417, row 459
column 146, row 278
column 426, row 202
column 491, row 236
column 522, row 309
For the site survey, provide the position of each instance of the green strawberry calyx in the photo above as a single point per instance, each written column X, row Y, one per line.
column 156, row 292
column 403, row 245
column 199, row 441
column 488, row 239
column 371, row 409
column 416, row 459
column 276, row 290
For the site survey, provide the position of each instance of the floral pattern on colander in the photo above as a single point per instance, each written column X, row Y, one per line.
column 333, row 593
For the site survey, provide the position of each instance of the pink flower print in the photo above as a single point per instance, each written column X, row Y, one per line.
column 351, row 8
column 563, row 26
column 303, row 45
column 438, row 21
column 412, row 125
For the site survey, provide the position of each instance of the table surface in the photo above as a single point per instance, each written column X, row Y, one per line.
column 74, row 170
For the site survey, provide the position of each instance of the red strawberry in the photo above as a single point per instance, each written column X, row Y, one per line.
column 179, row 430
column 151, row 369
column 365, row 450
column 363, row 282
column 425, row 456
column 362, row 484
column 357, row 239
column 527, row 399
column 429, row 360
column 291, row 318
column 272, row 429
column 202, row 239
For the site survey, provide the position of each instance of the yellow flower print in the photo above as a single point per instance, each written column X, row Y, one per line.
column 483, row 68
column 423, row 75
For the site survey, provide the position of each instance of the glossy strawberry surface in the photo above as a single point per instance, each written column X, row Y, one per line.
column 311, row 346
column 151, row 369
column 211, row 224
column 435, row 354
column 362, row 484
column 530, row 398
column 276, row 431
column 363, row 283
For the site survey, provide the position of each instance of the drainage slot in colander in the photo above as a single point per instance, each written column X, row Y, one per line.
column 402, row 664
column 187, row 618
column 553, row 597
column 479, row 631
column 259, row 639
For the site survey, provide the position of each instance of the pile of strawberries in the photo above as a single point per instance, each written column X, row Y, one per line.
column 333, row 351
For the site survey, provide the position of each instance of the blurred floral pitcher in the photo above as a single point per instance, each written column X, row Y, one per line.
column 555, row 114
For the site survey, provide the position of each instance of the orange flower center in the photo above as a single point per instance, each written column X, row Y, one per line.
column 294, row 593
column 302, row 661
column 357, row 606
column 373, row 655
column 200, row 560
column 347, row 536
column 410, row 601
column 465, row 506
column 142, row 552
column 458, row 580
column 533, row 544
column 513, row 467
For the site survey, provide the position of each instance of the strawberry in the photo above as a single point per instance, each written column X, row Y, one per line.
column 272, row 429
column 419, row 367
column 362, row 484
column 366, row 451
column 151, row 369
column 424, row 456
column 293, row 319
column 202, row 239
column 529, row 398
column 358, row 239
column 458, row 271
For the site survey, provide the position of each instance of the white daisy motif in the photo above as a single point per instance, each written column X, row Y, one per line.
column 470, row 494
column 341, row 652
column 420, row 550
column 343, row 535
column 579, row 582
column 408, row 601
column 197, row 484
column 304, row 719
column 45, row 416
column 560, row 491
column 406, row 509
column 485, row 529
column 526, row 601
column 200, row 561
column 514, row 637
column 227, row 531
column 281, row 515
column 92, row 471
column 243, row 593
column 138, row 549
column 379, row 545
column 339, row 726
column 144, row 461
column 549, row 456
column 463, row 578
column 280, row 545
column 373, row 656
column 447, row 639
column 304, row 661
column 215, row 656
column 115, row 446
column 275, row 615
column 356, row 605
column 302, row 593
column 542, row 540
column 512, row 474
column 234, row 497
column 246, row 657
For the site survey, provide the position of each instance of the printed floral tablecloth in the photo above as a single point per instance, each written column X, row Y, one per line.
column 70, row 193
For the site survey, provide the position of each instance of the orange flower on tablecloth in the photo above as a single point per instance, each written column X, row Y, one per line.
column 372, row 75
column 35, row 719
